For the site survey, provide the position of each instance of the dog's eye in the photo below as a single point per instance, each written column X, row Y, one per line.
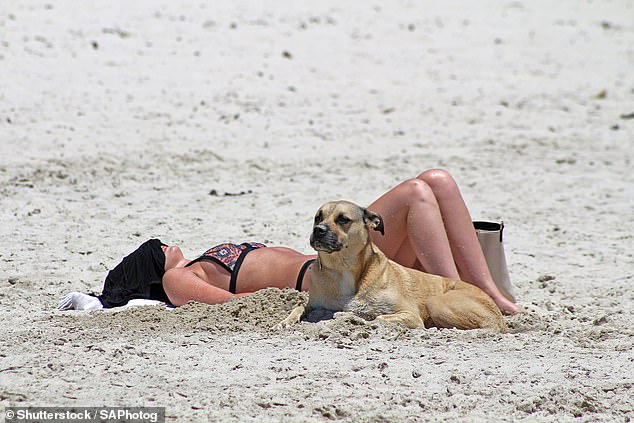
column 343, row 220
column 318, row 217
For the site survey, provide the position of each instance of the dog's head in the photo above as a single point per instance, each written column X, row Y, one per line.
column 341, row 224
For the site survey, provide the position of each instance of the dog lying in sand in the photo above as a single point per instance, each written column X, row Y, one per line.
column 352, row 274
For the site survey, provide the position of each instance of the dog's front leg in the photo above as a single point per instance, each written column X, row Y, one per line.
column 407, row 318
column 292, row 318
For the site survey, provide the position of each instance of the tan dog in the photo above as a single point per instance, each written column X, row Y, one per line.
column 352, row 274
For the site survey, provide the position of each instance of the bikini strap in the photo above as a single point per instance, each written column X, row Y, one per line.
column 302, row 271
column 233, row 282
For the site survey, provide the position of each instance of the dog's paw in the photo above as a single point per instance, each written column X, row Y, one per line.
column 292, row 318
column 290, row 321
column 285, row 324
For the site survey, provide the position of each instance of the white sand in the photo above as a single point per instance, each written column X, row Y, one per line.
column 118, row 118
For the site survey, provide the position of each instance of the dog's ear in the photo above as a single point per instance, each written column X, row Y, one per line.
column 374, row 220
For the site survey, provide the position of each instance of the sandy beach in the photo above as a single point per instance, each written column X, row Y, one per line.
column 205, row 122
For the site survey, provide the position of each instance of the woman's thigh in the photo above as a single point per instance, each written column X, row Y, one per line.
column 394, row 206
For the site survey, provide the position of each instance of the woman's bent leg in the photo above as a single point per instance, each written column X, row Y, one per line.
column 413, row 221
column 427, row 218
column 462, row 237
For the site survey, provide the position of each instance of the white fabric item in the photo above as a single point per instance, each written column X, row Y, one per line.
column 79, row 301
column 143, row 302
column 138, row 302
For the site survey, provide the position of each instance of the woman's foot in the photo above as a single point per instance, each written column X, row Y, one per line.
column 506, row 306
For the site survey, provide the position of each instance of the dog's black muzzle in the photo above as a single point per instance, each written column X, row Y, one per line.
column 323, row 239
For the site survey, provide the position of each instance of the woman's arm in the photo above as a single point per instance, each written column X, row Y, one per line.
column 184, row 284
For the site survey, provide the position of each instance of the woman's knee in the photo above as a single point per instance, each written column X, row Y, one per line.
column 420, row 190
column 439, row 180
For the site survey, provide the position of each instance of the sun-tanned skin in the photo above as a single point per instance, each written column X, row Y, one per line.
column 208, row 282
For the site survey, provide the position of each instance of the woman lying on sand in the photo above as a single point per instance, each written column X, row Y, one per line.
column 427, row 227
